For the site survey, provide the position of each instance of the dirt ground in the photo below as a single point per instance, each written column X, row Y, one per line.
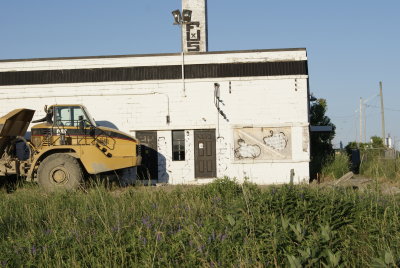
column 361, row 183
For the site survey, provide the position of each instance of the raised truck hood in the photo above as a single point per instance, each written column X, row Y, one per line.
column 16, row 122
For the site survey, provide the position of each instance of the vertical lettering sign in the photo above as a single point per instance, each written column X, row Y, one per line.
column 193, row 36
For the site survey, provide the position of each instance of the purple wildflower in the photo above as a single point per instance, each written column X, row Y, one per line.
column 186, row 208
column 179, row 229
column 76, row 234
column 143, row 239
column 216, row 200
column 33, row 250
column 201, row 248
column 159, row 236
column 116, row 228
column 223, row 237
column 211, row 237
column 146, row 222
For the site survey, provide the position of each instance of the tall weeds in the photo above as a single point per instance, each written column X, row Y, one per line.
column 375, row 165
column 337, row 166
column 222, row 224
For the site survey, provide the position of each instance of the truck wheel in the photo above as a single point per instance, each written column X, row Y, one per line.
column 60, row 172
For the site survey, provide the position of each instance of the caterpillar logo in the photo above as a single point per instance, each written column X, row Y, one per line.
column 61, row 131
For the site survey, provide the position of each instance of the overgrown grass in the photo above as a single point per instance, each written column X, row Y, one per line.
column 375, row 165
column 336, row 167
column 222, row 224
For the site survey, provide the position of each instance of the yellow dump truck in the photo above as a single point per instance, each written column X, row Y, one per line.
column 66, row 146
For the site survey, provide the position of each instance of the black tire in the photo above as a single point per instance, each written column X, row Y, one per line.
column 60, row 172
column 10, row 183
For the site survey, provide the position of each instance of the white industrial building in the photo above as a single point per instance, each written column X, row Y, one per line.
column 201, row 114
column 263, row 94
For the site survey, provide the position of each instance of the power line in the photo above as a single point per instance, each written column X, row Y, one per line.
column 342, row 116
column 388, row 109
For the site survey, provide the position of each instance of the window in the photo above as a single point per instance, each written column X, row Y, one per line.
column 178, row 145
column 68, row 115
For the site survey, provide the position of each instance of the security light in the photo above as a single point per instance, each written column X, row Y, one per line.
column 177, row 16
column 187, row 15
column 216, row 90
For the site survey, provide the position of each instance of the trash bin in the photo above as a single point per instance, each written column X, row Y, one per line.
column 355, row 160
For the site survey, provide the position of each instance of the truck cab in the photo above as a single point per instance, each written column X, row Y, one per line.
column 61, row 124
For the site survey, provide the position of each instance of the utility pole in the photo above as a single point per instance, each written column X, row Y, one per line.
column 382, row 114
column 355, row 128
column 361, row 119
column 365, row 121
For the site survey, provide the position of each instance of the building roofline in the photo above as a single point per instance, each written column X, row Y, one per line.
column 155, row 55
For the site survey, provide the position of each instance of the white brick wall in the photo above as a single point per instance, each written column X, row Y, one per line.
column 153, row 60
column 143, row 105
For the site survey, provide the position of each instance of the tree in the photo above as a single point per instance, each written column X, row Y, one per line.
column 320, row 142
column 377, row 142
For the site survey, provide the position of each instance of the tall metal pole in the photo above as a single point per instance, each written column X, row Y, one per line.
column 365, row 121
column 183, row 61
column 361, row 119
column 355, row 127
column 181, row 21
column 218, row 119
column 382, row 113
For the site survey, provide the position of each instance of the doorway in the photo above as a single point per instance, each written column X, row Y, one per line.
column 148, row 147
column 205, row 153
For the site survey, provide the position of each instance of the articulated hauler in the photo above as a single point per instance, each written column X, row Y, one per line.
column 66, row 146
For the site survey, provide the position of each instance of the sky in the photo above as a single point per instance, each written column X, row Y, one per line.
column 351, row 45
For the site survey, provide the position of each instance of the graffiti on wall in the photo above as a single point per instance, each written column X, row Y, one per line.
column 188, row 167
column 193, row 36
column 222, row 156
column 306, row 139
column 277, row 141
column 247, row 150
column 164, row 160
column 263, row 143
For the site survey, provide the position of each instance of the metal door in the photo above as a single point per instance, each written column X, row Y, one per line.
column 205, row 153
column 149, row 168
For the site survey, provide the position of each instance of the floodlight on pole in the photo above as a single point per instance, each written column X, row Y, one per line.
column 186, row 15
column 216, row 90
column 177, row 16
column 217, row 101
